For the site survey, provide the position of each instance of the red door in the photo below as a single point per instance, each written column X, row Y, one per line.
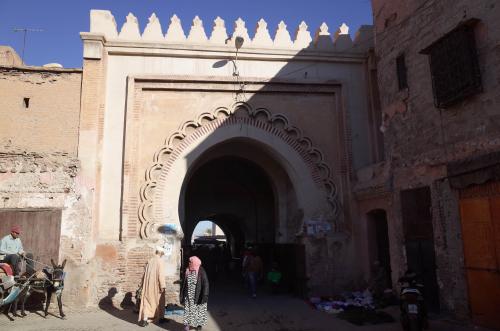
column 480, row 214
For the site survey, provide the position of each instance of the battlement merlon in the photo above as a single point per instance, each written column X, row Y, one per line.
column 104, row 31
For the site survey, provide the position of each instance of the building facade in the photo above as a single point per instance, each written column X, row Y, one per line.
column 261, row 135
column 438, row 75
column 327, row 153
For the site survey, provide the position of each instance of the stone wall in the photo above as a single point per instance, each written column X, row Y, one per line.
column 419, row 139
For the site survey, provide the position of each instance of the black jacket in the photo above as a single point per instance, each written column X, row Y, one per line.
column 201, row 291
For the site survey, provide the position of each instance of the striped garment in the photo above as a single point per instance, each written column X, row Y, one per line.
column 194, row 315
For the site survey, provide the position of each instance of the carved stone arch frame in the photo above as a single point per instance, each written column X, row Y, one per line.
column 147, row 196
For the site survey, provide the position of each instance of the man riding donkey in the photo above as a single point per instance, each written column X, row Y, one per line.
column 47, row 281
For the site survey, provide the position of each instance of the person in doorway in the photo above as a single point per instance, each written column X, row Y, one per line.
column 245, row 259
column 194, row 295
column 274, row 277
column 152, row 307
column 12, row 249
column 253, row 268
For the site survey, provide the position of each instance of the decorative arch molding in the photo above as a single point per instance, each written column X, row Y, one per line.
column 190, row 131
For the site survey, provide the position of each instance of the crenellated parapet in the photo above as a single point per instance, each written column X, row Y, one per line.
column 102, row 22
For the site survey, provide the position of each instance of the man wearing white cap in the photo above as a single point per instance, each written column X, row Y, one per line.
column 153, row 290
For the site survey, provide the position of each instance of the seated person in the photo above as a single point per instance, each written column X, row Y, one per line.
column 12, row 248
column 274, row 277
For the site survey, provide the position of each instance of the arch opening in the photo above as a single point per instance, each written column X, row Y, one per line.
column 243, row 189
column 303, row 163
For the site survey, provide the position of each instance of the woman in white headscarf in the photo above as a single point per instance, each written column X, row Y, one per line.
column 153, row 290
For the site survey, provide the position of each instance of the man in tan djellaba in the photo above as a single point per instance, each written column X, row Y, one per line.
column 152, row 307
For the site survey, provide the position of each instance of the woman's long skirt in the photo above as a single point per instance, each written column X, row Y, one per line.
column 194, row 315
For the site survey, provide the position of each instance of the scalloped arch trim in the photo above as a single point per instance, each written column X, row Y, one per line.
column 192, row 130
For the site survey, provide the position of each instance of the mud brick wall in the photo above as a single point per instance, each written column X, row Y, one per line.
column 40, row 109
column 419, row 139
column 415, row 131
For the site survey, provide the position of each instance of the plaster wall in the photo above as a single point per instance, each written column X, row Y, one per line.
column 138, row 90
column 304, row 110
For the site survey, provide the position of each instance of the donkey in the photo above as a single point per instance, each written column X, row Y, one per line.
column 52, row 282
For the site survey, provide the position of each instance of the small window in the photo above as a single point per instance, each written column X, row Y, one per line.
column 401, row 71
column 26, row 102
column 454, row 66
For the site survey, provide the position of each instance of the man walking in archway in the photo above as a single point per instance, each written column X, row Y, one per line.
column 253, row 270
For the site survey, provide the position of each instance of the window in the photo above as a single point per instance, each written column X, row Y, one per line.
column 401, row 71
column 454, row 66
column 26, row 102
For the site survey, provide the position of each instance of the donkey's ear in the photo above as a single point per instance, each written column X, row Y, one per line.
column 53, row 263
column 63, row 264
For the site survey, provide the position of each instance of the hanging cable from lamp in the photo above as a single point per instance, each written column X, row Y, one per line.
column 238, row 42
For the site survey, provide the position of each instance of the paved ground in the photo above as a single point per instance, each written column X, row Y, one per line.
column 230, row 310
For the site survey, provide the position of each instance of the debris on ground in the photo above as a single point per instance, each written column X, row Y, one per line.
column 362, row 315
column 171, row 309
column 335, row 305
column 355, row 307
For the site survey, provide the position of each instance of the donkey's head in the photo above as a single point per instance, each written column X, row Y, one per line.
column 58, row 273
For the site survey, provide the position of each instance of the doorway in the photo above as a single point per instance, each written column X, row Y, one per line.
column 419, row 241
column 378, row 242
column 237, row 195
column 241, row 187
column 41, row 231
column 480, row 218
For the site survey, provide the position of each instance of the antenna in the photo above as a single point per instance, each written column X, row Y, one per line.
column 25, row 32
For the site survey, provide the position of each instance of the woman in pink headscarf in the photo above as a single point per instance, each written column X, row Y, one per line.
column 194, row 295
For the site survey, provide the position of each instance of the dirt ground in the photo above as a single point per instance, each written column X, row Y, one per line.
column 228, row 310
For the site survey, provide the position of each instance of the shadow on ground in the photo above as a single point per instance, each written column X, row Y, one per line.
column 127, row 313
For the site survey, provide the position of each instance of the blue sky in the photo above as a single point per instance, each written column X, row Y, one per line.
column 63, row 20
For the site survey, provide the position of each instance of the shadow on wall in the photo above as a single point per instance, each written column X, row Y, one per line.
column 310, row 119
column 298, row 118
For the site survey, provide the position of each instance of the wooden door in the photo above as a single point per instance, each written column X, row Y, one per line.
column 41, row 231
column 480, row 217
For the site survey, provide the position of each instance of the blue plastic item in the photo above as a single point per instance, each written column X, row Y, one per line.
column 13, row 294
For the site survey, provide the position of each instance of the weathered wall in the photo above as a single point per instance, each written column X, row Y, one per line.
column 39, row 168
column 415, row 129
column 421, row 140
column 50, row 122
column 9, row 57
column 125, row 127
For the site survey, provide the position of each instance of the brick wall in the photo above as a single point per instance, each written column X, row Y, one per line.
column 419, row 139
column 417, row 132
column 40, row 109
